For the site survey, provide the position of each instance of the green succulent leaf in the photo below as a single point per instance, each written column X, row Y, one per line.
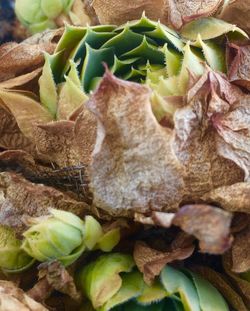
column 100, row 280
column 109, row 240
column 132, row 286
column 176, row 282
column 93, row 232
column 209, row 297
column 209, row 28
column 152, row 294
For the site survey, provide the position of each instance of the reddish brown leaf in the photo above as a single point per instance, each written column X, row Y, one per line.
column 150, row 261
column 117, row 12
column 183, row 11
column 133, row 167
column 19, row 197
column 13, row 298
column 210, row 225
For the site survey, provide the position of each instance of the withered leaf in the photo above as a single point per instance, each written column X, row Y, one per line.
column 237, row 12
column 118, row 12
column 241, row 251
column 233, row 128
column 210, row 225
column 133, row 166
column 55, row 142
column 239, row 66
column 59, row 279
column 19, row 197
column 151, row 261
column 223, row 285
column 17, row 59
column 181, row 12
column 10, row 135
column 234, row 198
column 13, row 298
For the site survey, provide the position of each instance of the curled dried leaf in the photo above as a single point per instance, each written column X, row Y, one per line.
column 210, row 225
column 224, row 286
column 182, row 12
column 117, row 12
column 20, row 197
column 133, row 166
column 151, row 261
column 13, row 298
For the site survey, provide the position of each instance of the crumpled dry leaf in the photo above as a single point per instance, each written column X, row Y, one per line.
column 133, row 166
column 59, row 279
column 151, row 261
column 117, row 11
column 241, row 251
column 234, row 198
column 224, row 286
column 17, row 59
column 233, row 128
column 10, row 135
column 210, row 225
column 237, row 12
column 13, row 298
column 243, row 285
column 239, row 65
column 181, row 12
column 19, row 197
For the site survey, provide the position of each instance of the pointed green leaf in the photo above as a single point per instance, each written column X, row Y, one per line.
column 143, row 24
column 122, row 66
column 133, row 74
column 93, row 64
column 173, row 61
column 175, row 282
column 71, row 36
column 210, row 298
column 132, row 286
column 148, row 52
column 209, row 28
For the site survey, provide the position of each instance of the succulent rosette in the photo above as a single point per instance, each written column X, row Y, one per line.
column 112, row 283
column 64, row 237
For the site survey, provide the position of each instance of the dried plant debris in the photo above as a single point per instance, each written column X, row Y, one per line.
column 129, row 144
column 151, row 262
column 20, row 197
column 13, row 298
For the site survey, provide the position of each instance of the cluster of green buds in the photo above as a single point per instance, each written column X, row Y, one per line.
column 142, row 51
column 39, row 15
column 60, row 236
column 113, row 282
column 12, row 258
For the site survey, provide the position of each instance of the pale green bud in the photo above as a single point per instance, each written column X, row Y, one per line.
column 60, row 236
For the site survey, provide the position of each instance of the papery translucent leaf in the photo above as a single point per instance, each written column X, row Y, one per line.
column 210, row 28
column 175, row 282
column 27, row 111
column 132, row 286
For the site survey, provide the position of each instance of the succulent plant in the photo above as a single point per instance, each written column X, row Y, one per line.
column 12, row 257
column 64, row 236
column 112, row 282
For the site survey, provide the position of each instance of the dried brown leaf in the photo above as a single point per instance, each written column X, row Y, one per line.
column 13, row 298
column 17, row 59
column 19, row 197
column 241, row 251
column 118, row 12
column 59, row 279
column 133, row 166
column 184, row 11
column 224, row 286
column 237, row 12
column 210, row 225
column 234, row 198
column 10, row 135
column 151, row 261
column 239, row 66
